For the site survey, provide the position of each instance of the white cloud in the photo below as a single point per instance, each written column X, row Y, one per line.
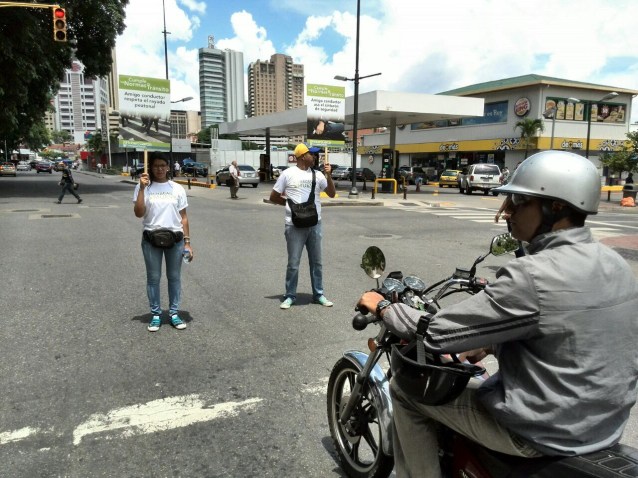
column 419, row 46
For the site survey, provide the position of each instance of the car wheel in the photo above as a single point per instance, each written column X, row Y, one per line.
column 468, row 191
column 254, row 185
column 494, row 193
column 50, row 171
column 486, row 192
column 218, row 181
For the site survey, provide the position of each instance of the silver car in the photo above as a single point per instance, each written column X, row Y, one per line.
column 341, row 173
column 247, row 175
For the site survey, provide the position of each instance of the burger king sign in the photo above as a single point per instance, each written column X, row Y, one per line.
column 522, row 107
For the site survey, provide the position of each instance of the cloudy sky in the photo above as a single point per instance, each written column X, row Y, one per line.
column 420, row 46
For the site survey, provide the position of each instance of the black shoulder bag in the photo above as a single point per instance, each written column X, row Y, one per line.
column 305, row 214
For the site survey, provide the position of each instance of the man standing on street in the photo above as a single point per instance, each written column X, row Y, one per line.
column 67, row 183
column 295, row 183
column 234, row 176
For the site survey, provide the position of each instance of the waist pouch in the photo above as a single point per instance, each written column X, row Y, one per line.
column 163, row 238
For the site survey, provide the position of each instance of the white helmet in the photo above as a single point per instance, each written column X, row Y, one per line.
column 559, row 175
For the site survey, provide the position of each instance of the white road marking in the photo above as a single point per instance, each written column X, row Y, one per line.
column 158, row 415
column 317, row 388
column 17, row 435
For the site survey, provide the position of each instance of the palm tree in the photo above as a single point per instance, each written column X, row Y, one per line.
column 529, row 128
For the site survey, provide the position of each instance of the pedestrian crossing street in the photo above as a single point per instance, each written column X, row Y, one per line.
column 487, row 216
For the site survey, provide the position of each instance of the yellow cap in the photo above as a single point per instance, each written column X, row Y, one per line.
column 300, row 150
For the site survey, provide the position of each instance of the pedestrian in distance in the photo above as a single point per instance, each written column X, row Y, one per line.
column 629, row 179
column 162, row 203
column 67, row 183
column 550, row 319
column 234, row 177
column 176, row 169
column 296, row 183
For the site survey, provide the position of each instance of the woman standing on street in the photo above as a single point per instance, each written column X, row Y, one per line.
column 162, row 204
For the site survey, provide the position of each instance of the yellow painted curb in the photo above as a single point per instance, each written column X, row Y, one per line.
column 196, row 183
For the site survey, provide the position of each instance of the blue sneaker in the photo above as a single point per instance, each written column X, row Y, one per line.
column 177, row 322
column 323, row 301
column 287, row 303
column 155, row 323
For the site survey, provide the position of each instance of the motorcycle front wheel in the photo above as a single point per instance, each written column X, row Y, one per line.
column 358, row 441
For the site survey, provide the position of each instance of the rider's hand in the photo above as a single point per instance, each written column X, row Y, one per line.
column 369, row 300
column 475, row 355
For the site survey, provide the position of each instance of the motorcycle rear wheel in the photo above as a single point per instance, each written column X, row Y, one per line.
column 358, row 442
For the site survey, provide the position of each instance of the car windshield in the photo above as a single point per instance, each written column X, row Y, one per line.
column 449, row 173
column 486, row 169
column 244, row 167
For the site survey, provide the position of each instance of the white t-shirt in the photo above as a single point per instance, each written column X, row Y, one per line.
column 296, row 184
column 163, row 203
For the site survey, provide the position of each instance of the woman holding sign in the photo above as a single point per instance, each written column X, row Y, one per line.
column 162, row 204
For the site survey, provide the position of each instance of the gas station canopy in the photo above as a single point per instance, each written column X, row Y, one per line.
column 376, row 109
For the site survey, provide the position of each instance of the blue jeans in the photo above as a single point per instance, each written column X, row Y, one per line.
column 153, row 260
column 296, row 239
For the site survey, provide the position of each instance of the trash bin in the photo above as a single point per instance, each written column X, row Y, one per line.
column 629, row 191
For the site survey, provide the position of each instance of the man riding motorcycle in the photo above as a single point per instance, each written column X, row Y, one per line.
column 561, row 321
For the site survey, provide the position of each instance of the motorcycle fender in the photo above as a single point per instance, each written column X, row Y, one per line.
column 380, row 390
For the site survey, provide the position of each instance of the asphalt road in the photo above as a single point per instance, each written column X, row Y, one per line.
column 88, row 392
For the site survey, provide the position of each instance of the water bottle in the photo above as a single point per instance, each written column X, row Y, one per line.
column 188, row 257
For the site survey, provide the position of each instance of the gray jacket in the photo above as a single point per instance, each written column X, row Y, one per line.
column 563, row 322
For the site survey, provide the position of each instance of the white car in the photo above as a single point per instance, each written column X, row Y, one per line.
column 23, row 166
column 247, row 175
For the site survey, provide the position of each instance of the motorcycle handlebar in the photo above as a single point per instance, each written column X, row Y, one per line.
column 360, row 321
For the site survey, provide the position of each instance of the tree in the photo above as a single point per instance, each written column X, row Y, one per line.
column 32, row 63
column 96, row 144
column 37, row 137
column 625, row 159
column 529, row 128
column 60, row 137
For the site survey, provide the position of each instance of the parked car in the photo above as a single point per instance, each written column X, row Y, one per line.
column 277, row 170
column 248, row 175
column 341, row 173
column 363, row 173
column 23, row 166
column 7, row 169
column 135, row 171
column 195, row 169
column 479, row 177
column 44, row 167
column 412, row 173
column 449, row 178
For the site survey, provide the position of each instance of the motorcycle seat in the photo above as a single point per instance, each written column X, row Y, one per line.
column 618, row 461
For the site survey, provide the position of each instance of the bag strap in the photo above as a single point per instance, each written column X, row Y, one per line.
column 311, row 197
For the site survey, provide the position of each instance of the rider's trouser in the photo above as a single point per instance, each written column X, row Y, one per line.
column 415, row 438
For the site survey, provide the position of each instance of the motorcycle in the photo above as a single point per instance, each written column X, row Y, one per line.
column 359, row 405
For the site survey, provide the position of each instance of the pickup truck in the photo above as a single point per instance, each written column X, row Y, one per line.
column 479, row 177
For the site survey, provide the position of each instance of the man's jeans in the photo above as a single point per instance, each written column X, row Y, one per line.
column 414, row 433
column 153, row 260
column 296, row 239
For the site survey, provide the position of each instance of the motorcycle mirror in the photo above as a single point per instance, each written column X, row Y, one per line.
column 503, row 244
column 373, row 262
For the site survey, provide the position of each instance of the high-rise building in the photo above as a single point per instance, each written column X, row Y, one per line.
column 275, row 85
column 77, row 104
column 221, row 84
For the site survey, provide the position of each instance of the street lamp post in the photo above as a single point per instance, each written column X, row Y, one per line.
column 170, row 123
column 551, row 113
column 588, row 104
column 354, row 194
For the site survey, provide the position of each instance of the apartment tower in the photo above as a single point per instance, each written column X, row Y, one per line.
column 275, row 85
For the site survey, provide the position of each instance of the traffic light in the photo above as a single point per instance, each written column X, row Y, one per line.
column 59, row 24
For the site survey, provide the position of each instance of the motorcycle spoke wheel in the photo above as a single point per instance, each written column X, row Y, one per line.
column 357, row 442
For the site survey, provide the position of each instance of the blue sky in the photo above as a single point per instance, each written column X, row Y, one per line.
column 422, row 46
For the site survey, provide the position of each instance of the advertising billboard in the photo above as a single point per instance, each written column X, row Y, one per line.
column 145, row 110
column 326, row 107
